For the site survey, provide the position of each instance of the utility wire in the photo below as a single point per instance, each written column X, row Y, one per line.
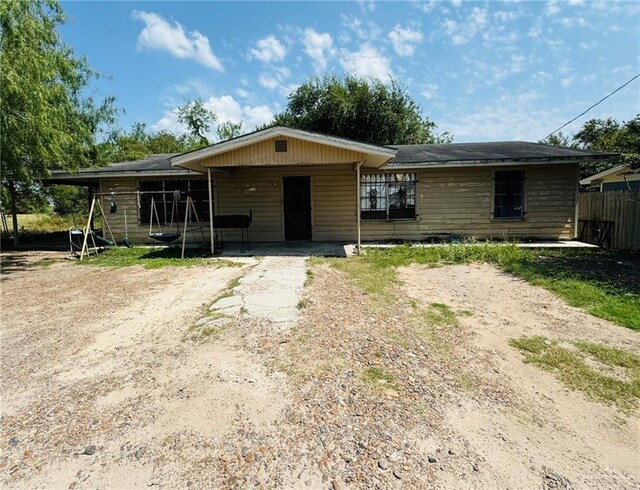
column 597, row 103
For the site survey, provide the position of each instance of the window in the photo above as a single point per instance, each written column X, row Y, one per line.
column 508, row 194
column 162, row 190
column 281, row 146
column 388, row 196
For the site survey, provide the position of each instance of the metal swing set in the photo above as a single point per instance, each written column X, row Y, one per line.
column 173, row 234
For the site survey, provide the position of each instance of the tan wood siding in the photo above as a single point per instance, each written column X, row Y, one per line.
column 299, row 152
column 333, row 200
column 454, row 201
column 138, row 232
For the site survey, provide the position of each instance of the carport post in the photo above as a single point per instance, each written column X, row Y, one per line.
column 358, row 164
column 210, row 210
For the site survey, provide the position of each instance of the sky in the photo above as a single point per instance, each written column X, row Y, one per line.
column 483, row 71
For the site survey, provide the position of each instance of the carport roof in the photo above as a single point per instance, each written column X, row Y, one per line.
column 461, row 154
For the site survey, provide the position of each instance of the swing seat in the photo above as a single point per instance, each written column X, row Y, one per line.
column 165, row 237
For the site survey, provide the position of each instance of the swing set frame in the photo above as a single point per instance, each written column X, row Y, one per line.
column 190, row 214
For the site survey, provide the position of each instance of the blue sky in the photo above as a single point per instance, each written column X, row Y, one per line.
column 480, row 70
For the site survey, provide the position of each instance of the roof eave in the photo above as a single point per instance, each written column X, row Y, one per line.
column 216, row 149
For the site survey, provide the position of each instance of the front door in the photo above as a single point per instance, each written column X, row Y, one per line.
column 297, row 207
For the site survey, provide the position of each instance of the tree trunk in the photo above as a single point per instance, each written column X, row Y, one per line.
column 14, row 211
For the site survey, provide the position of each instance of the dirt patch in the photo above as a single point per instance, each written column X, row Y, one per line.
column 520, row 418
column 99, row 388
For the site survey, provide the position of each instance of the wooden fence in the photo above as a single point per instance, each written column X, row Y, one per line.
column 618, row 211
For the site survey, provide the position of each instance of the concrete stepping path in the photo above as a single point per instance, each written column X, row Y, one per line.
column 271, row 290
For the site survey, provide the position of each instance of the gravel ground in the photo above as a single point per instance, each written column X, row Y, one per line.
column 116, row 378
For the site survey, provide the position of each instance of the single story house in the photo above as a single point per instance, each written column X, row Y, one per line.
column 618, row 178
column 302, row 185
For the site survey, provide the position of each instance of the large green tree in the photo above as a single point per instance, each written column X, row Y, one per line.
column 363, row 109
column 48, row 118
column 606, row 135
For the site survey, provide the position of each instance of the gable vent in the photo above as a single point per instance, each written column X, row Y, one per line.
column 281, row 146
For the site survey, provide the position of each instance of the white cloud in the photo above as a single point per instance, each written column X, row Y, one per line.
column 461, row 32
column 429, row 91
column 552, row 8
column 269, row 49
column 276, row 80
column 319, row 47
column 456, row 3
column 366, row 62
column 363, row 30
column 367, row 5
column 566, row 82
column 404, row 40
column 226, row 108
column 162, row 35
column 243, row 93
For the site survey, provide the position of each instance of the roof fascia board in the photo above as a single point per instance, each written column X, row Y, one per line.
column 280, row 131
column 134, row 173
column 496, row 163
column 604, row 173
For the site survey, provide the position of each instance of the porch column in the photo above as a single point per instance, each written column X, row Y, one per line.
column 358, row 164
column 210, row 210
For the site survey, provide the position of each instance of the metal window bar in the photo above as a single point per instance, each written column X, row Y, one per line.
column 388, row 196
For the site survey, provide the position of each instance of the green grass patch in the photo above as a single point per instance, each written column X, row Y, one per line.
column 373, row 279
column 439, row 314
column 303, row 303
column 155, row 258
column 377, row 375
column 565, row 272
column 585, row 369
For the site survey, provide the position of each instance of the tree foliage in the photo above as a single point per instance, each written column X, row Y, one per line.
column 607, row 135
column 47, row 119
column 363, row 109
column 228, row 130
column 198, row 120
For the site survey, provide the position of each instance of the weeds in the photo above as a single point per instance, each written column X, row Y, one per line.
column 155, row 258
column 567, row 273
column 377, row 375
column 574, row 370
column 303, row 303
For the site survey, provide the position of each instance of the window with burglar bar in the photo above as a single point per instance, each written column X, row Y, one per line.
column 197, row 189
column 508, row 194
column 388, row 196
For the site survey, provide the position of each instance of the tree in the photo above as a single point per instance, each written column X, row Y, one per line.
column 228, row 130
column 607, row 135
column 363, row 109
column 47, row 120
column 138, row 143
column 198, row 120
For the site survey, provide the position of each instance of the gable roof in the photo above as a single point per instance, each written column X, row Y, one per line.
column 376, row 155
column 463, row 154
column 618, row 169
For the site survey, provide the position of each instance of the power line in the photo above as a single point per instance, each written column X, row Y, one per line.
column 597, row 103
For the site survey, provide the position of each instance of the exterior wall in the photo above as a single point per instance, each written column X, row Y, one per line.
column 138, row 232
column 333, row 200
column 298, row 152
column 616, row 182
column 459, row 201
column 455, row 200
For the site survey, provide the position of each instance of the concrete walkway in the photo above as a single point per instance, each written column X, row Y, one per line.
column 270, row 291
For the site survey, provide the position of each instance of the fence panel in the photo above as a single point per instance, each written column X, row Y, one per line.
column 621, row 208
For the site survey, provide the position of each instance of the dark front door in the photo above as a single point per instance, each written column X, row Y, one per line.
column 297, row 208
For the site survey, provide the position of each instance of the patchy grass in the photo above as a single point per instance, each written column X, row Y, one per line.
column 155, row 258
column 602, row 283
column 429, row 322
column 439, row 314
column 40, row 223
column 577, row 368
column 377, row 375
column 367, row 275
column 303, row 303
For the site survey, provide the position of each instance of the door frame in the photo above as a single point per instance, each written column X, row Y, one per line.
column 282, row 220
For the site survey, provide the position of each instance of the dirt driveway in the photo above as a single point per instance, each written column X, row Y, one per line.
column 125, row 378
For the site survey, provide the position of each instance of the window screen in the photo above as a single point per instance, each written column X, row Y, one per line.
column 508, row 197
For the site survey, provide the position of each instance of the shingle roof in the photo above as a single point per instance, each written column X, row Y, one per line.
column 501, row 151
